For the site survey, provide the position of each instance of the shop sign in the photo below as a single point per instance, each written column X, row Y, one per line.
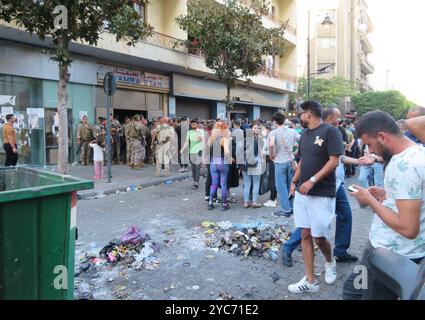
column 134, row 77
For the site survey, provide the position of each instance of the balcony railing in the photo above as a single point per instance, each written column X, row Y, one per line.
column 176, row 44
column 279, row 75
column 289, row 28
column 171, row 43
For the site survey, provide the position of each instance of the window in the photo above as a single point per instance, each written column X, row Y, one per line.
column 326, row 43
column 140, row 9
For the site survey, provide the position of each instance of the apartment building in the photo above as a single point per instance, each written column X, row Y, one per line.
column 155, row 78
column 339, row 41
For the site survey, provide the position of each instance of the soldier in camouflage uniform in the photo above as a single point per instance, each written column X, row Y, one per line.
column 115, row 142
column 135, row 134
column 127, row 123
column 163, row 136
column 84, row 137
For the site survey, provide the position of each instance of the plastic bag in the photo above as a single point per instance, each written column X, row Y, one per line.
column 135, row 235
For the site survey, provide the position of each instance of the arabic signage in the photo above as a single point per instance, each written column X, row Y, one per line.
column 135, row 78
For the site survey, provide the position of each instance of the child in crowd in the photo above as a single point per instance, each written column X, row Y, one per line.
column 97, row 146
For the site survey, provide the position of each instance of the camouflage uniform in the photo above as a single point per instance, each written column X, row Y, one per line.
column 136, row 142
column 127, row 143
column 100, row 133
column 84, row 136
column 115, row 142
column 164, row 136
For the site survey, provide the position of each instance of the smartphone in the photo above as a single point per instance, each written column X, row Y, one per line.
column 352, row 189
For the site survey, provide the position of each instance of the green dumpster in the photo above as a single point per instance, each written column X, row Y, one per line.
column 37, row 233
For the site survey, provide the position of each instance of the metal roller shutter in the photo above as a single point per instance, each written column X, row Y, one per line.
column 193, row 109
column 267, row 113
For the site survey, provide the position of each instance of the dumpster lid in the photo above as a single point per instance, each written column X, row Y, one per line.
column 19, row 183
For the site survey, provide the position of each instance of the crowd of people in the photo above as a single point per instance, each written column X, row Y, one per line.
column 303, row 164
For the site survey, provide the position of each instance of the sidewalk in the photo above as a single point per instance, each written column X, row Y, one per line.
column 123, row 179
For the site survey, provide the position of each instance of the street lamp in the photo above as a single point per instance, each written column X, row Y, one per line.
column 326, row 22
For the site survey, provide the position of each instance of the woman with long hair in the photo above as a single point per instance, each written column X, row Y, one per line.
column 252, row 169
column 220, row 160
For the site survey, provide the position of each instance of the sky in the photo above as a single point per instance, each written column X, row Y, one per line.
column 399, row 47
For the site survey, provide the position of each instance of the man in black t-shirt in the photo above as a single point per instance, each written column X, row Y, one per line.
column 315, row 198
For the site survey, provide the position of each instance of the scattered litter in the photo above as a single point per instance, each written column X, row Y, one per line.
column 185, row 199
column 170, row 232
column 209, row 256
column 121, row 201
column 255, row 239
column 225, row 296
column 195, row 287
column 168, row 182
column 186, row 264
column 208, row 224
column 110, row 279
column 225, row 225
column 134, row 250
column 275, row 277
column 166, row 289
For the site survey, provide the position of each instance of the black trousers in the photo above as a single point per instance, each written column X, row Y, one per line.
column 11, row 157
column 272, row 183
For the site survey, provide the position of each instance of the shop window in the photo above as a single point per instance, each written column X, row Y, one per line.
column 52, row 135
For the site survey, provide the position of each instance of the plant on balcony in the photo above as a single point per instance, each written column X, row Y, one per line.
column 326, row 91
column 232, row 38
column 62, row 21
column 391, row 101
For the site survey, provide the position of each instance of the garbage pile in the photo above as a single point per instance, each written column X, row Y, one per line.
column 254, row 239
column 134, row 250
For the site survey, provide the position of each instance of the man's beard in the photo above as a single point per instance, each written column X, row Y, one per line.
column 304, row 124
column 385, row 153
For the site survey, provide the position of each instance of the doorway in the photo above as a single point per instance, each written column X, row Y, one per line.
column 120, row 114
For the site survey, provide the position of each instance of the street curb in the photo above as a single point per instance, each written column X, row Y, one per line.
column 100, row 193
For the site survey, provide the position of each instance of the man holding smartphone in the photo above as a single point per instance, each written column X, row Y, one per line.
column 399, row 221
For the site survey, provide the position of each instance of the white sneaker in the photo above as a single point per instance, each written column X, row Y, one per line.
column 330, row 272
column 270, row 204
column 304, row 286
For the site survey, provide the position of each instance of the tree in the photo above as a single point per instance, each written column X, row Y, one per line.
column 392, row 102
column 232, row 38
column 64, row 21
column 326, row 91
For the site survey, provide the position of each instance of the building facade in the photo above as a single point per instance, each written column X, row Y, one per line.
column 155, row 78
column 339, row 39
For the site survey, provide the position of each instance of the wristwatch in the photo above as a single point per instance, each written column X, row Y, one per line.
column 313, row 179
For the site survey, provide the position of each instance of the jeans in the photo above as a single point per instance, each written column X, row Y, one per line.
column 195, row 163
column 378, row 175
column 249, row 180
column 272, row 183
column 283, row 177
column 342, row 231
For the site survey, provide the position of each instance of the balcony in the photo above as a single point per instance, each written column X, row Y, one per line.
column 290, row 35
column 366, row 45
column 168, row 42
column 366, row 66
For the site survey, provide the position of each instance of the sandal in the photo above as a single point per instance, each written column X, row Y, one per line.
column 246, row 205
column 256, row 205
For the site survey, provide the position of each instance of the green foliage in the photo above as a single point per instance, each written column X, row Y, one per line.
column 326, row 91
column 231, row 37
column 392, row 102
column 86, row 21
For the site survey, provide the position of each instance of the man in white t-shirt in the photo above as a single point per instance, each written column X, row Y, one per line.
column 399, row 221
column 281, row 145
